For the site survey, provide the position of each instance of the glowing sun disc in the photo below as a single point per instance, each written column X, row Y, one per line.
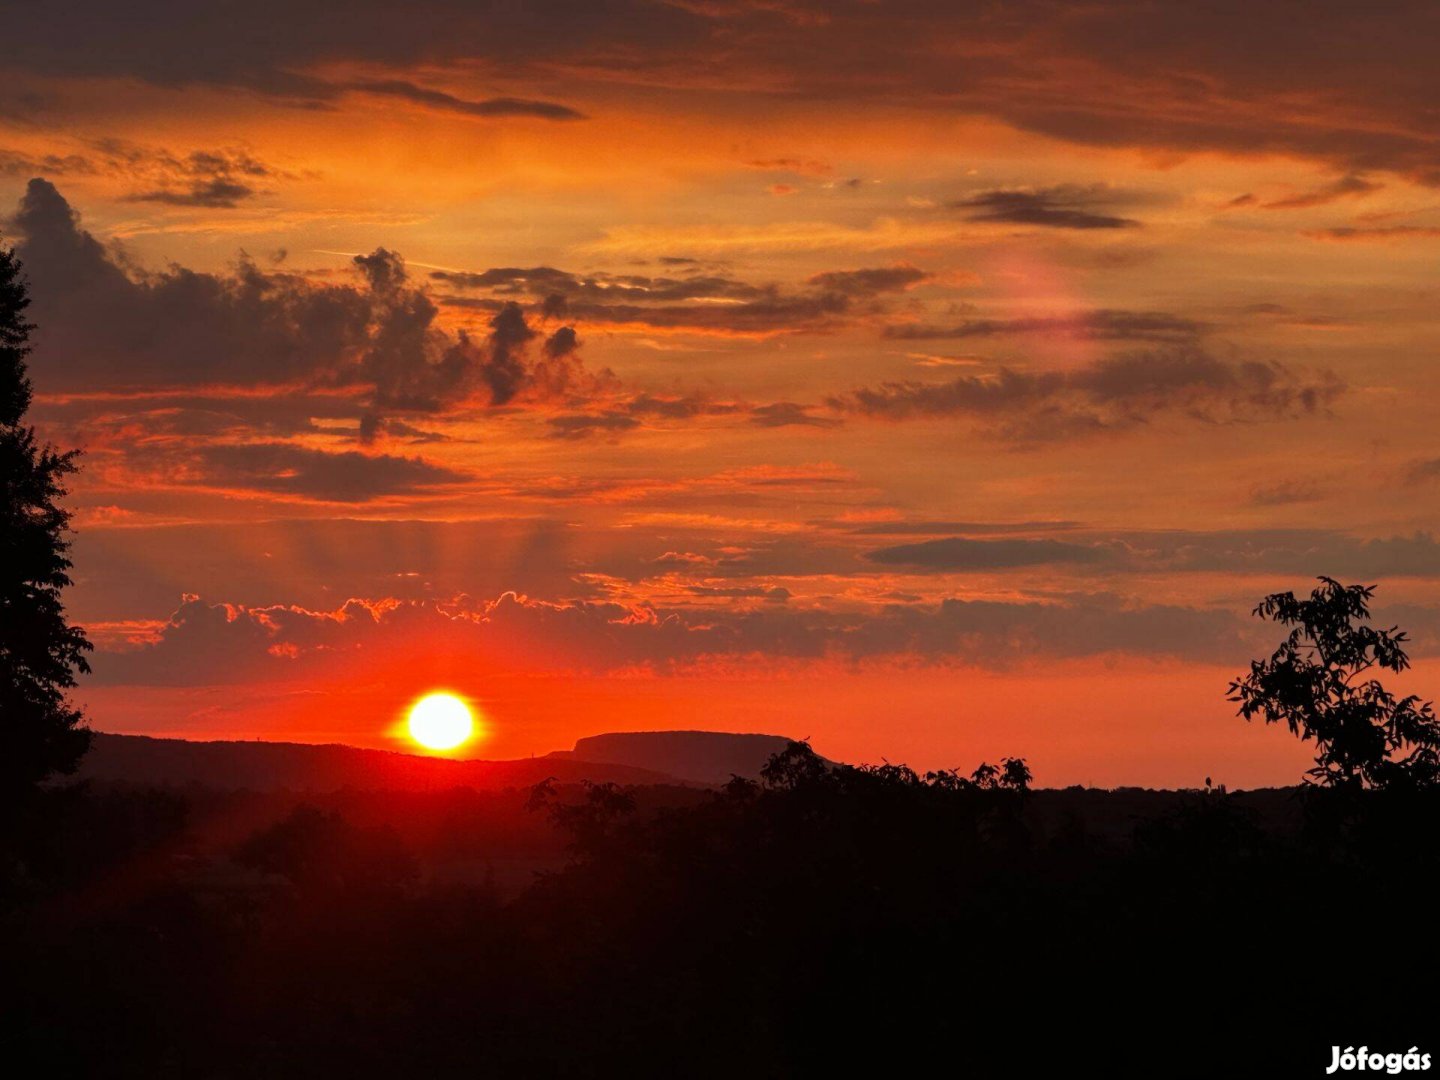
column 441, row 722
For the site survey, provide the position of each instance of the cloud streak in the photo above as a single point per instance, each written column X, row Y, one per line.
column 699, row 302
column 1112, row 393
column 488, row 108
column 1099, row 325
column 1064, row 207
column 205, row 643
column 345, row 477
column 963, row 553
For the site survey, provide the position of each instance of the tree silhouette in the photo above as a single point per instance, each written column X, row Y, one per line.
column 40, row 653
column 794, row 767
column 1016, row 775
column 1364, row 735
column 589, row 822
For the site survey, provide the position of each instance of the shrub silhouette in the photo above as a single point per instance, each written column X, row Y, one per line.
column 1364, row 735
column 40, row 653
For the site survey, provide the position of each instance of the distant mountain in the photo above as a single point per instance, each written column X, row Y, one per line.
column 269, row 766
column 703, row 757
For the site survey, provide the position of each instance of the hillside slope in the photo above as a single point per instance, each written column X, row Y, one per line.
column 269, row 766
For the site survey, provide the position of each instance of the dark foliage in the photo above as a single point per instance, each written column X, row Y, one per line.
column 317, row 849
column 1312, row 683
column 40, row 653
column 823, row 918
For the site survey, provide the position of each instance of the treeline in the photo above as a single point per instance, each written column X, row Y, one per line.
column 821, row 917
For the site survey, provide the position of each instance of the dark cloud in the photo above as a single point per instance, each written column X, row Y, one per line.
column 214, row 194
column 1166, row 76
column 154, row 43
column 213, row 179
column 1347, row 187
column 400, row 430
column 1364, row 234
column 384, row 270
column 100, row 326
column 771, row 593
column 680, row 408
column 962, row 553
column 1351, row 85
column 19, row 163
column 104, row 325
column 1293, row 552
column 1268, row 554
column 505, row 371
column 788, row 414
column 629, row 414
column 562, row 343
column 699, row 301
column 488, row 108
column 372, row 426
column 923, row 528
column 1112, row 393
column 1285, row 493
column 348, row 476
column 1304, row 553
column 225, row 420
column 536, row 280
column 541, row 281
column 584, row 425
column 774, row 314
column 130, row 420
column 870, row 282
column 1068, row 206
column 1102, row 324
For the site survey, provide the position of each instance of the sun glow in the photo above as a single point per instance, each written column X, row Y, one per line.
column 441, row 721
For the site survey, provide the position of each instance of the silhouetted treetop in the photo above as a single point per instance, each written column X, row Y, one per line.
column 14, row 342
column 1312, row 683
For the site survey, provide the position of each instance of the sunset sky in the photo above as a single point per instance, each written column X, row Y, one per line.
column 937, row 381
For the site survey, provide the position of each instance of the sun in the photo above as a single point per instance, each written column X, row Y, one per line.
column 441, row 721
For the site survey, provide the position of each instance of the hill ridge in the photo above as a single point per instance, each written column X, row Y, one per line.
column 265, row 765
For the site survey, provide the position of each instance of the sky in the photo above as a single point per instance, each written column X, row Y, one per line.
column 935, row 381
